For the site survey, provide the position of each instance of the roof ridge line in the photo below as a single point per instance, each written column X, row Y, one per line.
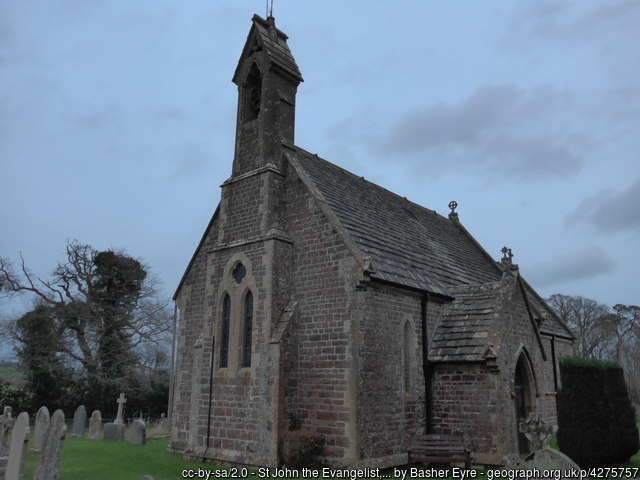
column 375, row 185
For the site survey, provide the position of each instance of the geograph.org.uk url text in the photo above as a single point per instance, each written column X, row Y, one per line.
column 413, row 473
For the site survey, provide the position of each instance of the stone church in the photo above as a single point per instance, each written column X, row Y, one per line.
column 321, row 301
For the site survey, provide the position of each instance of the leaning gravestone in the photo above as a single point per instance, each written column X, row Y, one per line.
column 95, row 425
column 138, row 433
column 18, row 449
column 79, row 421
column 52, row 448
column 40, row 429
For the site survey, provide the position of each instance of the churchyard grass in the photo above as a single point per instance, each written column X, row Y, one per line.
column 98, row 460
column 84, row 459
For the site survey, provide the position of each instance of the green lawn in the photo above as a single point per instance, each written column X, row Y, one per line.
column 84, row 459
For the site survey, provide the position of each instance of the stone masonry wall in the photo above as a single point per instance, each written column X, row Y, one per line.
column 563, row 349
column 517, row 337
column 389, row 412
column 191, row 303
column 465, row 401
column 240, row 401
column 243, row 423
column 320, row 392
column 242, row 209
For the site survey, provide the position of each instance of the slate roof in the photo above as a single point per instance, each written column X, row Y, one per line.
column 413, row 246
column 461, row 333
column 407, row 244
column 274, row 42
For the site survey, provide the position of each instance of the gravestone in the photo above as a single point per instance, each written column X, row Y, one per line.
column 121, row 401
column 114, row 432
column 146, row 477
column 138, row 433
column 40, row 428
column 18, row 449
column 95, row 425
column 52, row 448
column 536, row 430
column 164, row 424
column 79, row 422
column 6, row 424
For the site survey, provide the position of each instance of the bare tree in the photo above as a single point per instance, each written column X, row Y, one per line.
column 624, row 326
column 603, row 334
column 104, row 304
column 588, row 321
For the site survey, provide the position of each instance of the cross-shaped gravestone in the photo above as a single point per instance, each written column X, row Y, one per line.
column 536, row 430
column 121, row 401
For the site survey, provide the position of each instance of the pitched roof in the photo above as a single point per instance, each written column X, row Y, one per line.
column 274, row 42
column 408, row 244
column 413, row 246
column 462, row 332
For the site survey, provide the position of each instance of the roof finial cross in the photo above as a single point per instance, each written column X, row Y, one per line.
column 452, row 205
column 269, row 8
column 506, row 253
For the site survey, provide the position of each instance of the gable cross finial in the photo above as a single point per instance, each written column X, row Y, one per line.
column 452, row 205
column 506, row 258
column 269, row 8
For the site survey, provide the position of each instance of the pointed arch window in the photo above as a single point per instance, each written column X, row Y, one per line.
column 406, row 347
column 226, row 323
column 248, row 329
column 253, row 94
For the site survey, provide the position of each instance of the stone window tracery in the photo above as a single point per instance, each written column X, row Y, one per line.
column 236, row 316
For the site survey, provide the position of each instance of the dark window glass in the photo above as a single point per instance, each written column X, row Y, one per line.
column 407, row 356
column 226, row 320
column 239, row 272
column 248, row 328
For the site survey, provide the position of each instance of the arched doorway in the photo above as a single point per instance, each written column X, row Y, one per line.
column 523, row 400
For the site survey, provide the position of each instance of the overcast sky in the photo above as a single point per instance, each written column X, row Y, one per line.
column 117, row 123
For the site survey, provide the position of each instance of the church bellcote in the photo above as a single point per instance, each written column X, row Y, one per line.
column 267, row 77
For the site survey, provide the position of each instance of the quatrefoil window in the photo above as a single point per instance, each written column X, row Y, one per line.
column 239, row 272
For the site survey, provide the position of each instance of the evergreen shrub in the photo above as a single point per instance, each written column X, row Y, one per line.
column 595, row 417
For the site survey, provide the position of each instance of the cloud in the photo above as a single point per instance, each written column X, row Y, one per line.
column 190, row 160
column 588, row 263
column 502, row 130
column 576, row 21
column 610, row 211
